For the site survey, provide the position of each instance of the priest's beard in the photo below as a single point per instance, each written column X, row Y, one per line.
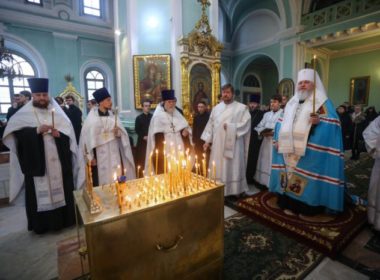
column 303, row 94
column 170, row 110
column 41, row 104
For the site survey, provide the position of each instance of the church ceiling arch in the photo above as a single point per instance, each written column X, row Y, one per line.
column 262, row 59
column 258, row 26
column 238, row 9
column 265, row 72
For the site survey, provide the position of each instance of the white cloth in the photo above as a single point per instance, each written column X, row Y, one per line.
column 229, row 148
column 372, row 139
column 264, row 160
column 171, row 126
column 296, row 125
column 51, row 182
column 97, row 133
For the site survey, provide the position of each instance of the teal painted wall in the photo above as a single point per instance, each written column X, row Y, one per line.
column 154, row 40
column 287, row 63
column 63, row 56
column 191, row 13
column 344, row 68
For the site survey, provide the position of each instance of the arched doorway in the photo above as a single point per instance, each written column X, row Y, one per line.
column 260, row 77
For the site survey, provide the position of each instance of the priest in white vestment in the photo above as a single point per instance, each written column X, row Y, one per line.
column 266, row 129
column 227, row 134
column 168, row 130
column 105, row 142
column 372, row 139
column 44, row 159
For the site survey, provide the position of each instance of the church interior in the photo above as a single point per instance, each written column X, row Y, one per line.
column 195, row 47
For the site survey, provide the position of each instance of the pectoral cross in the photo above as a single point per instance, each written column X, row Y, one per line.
column 105, row 135
column 172, row 126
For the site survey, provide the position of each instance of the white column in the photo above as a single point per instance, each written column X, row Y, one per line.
column 214, row 15
column 117, row 55
column 176, row 34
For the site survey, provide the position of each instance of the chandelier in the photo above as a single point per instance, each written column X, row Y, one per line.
column 9, row 66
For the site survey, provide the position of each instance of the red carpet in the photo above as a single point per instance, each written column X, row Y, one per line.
column 328, row 234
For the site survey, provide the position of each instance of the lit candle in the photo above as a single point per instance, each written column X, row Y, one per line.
column 125, row 171
column 209, row 177
column 52, row 118
column 315, row 86
column 196, row 171
column 156, row 161
column 138, row 172
column 170, row 177
column 214, row 171
column 165, row 162
column 119, row 170
column 117, row 190
column 116, row 112
column 196, row 163
column 204, row 164
column 150, row 164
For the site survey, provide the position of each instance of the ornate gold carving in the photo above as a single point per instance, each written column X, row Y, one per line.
column 201, row 40
column 202, row 47
column 186, row 90
column 71, row 90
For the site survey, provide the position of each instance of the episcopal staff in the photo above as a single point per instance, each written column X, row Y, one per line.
column 227, row 134
column 107, row 141
column 46, row 157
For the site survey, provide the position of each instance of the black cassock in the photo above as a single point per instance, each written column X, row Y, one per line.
column 346, row 124
column 142, row 127
column 200, row 122
column 31, row 155
column 254, row 146
column 75, row 116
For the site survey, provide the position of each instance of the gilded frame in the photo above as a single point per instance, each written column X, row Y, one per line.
column 359, row 90
column 286, row 87
column 147, row 81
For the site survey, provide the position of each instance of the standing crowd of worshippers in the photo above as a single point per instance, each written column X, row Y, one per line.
column 284, row 149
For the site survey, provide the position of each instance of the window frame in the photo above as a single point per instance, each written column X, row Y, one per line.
column 88, row 70
column 10, row 81
column 101, row 10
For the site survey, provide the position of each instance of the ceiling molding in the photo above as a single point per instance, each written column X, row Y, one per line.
column 366, row 30
column 357, row 50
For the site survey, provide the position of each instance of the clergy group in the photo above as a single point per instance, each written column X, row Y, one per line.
column 295, row 149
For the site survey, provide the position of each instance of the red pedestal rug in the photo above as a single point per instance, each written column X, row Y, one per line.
column 326, row 233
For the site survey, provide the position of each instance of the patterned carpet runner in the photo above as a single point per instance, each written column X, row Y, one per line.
column 254, row 251
column 328, row 234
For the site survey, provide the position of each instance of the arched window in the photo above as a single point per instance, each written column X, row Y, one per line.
column 251, row 81
column 94, row 79
column 13, row 84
